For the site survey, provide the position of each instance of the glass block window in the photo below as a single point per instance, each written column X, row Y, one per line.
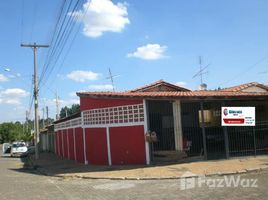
column 114, row 115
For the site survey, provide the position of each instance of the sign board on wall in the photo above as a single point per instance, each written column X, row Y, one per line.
column 238, row 116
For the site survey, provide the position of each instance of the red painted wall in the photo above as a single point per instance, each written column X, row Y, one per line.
column 71, row 143
column 127, row 145
column 89, row 103
column 79, row 145
column 96, row 146
column 60, row 143
column 65, row 144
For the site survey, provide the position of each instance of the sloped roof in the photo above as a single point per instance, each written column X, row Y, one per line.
column 160, row 86
column 246, row 86
column 173, row 91
column 196, row 94
column 73, row 116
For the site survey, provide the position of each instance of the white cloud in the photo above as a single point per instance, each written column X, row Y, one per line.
column 12, row 101
column 12, row 113
column 181, row 83
column 83, row 76
column 3, row 78
column 12, row 96
column 104, row 87
column 99, row 16
column 13, row 93
column 149, row 52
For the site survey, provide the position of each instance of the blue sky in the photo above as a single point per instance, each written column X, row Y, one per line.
column 142, row 41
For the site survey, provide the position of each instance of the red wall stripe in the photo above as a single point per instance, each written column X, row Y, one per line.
column 71, row 143
column 65, row 144
column 60, row 143
column 89, row 103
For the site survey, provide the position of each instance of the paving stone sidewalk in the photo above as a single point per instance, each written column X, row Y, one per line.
column 52, row 165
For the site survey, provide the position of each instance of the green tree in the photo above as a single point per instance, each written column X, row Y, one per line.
column 75, row 108
column 10, row 131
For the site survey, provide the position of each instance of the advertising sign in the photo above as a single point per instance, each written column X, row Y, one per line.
column 238, row 116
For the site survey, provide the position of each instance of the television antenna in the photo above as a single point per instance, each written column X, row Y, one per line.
column 201, row 71
column 111, row 78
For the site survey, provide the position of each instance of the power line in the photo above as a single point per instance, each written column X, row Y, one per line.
column 61, row 42
column 245, row 71
column 55, row 43
column 69, row 48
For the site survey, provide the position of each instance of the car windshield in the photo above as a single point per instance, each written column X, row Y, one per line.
column 18, row 145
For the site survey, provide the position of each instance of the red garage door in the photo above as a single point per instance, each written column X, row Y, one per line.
column 71, row 143
column 79, row 144
column 96, row 146
column 127, row 145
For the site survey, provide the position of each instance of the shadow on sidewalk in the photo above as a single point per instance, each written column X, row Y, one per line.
column 53, row 165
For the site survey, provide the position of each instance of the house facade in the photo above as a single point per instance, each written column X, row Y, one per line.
column 161, row 122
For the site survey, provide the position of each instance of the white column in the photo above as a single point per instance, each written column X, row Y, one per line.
column 177, row 125
column 85, row 152
column 147, row 151
column 108, row 145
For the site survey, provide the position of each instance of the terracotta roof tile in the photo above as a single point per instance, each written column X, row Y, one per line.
column 157, row 84
column 245, row 86
column 196, row 94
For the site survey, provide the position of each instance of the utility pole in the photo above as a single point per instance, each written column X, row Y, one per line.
column 36, row 138
column 43, row 109
column 26, row 121
column 47, row 115
column 66, row 113
column 57, row 107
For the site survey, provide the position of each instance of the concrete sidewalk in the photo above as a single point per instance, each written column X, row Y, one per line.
column 52, row 165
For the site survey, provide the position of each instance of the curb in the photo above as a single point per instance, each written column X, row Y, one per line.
column 250, row 170
column 46, row 173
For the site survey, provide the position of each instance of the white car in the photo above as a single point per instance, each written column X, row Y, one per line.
column 18, row 148
column 6, row 148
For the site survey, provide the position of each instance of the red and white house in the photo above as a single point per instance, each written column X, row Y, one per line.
column 111, row 128
column 108, row 132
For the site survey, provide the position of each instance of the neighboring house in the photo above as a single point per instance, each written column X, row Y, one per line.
column 161, row 122
column 248, row 87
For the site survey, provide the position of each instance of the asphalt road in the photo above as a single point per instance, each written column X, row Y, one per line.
column 24, row 184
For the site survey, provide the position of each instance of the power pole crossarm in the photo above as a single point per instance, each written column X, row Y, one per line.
column 36, row 138
column 34, row 45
